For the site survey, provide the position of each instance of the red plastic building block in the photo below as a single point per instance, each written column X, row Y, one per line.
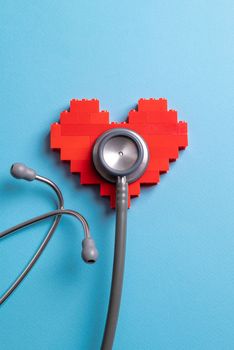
column 79, row 128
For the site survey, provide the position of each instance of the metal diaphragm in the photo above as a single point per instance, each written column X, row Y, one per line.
column 120, row 152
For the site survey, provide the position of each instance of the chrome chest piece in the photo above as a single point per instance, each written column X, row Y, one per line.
column 120, row 152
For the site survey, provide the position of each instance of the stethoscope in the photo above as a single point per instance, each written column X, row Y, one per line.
column 120, row 156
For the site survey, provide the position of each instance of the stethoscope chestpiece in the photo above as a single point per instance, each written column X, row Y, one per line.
column 120, row 152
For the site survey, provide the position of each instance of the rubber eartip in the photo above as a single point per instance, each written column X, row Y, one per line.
column 21, row 171
column 89, row 251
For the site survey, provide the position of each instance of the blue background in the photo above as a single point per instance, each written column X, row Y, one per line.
column 179, row 281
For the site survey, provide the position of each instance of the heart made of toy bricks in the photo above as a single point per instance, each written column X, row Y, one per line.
column 79, row 128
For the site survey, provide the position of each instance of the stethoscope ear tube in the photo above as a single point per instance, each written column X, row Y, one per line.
column 118, row 264
column 89, row 251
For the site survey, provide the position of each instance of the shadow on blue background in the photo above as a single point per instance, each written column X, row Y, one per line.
column 179, row 284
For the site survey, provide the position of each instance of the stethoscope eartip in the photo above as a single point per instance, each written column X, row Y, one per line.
column 89, row 251
column 21, row 171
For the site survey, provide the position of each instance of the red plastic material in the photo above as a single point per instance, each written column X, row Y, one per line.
column 79, row 128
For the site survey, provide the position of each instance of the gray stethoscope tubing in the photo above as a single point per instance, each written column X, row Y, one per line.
column 118, row 264
column 89, row 251
column 120, row 156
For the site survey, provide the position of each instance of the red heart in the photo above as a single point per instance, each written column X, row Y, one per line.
column 79, row 128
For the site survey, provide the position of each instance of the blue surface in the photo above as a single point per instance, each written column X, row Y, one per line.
column 179, row 282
